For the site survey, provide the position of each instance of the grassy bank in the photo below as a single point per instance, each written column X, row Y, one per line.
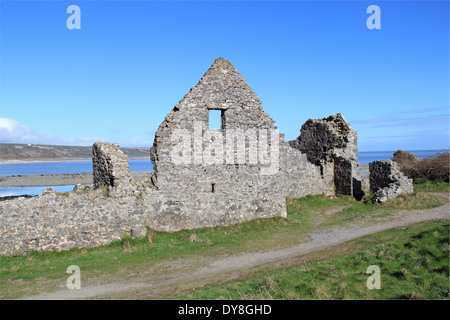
column 413, row 262
column 46, row 271
column 424, row 185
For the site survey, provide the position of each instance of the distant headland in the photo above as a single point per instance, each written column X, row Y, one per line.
column 14, row 153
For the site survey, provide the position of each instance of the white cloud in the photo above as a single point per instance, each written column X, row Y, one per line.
column 13, row 131
column 8, row 124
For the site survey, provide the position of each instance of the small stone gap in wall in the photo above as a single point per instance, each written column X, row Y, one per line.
column 213, row 186
column 321, row 169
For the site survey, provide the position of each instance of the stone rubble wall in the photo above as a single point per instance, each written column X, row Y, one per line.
column 57, row 222
column 111, row 169
column 331, row 144
column 387, row 181
column 327, row 138
column 120, row 202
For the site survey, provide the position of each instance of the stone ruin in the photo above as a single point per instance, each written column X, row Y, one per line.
column 387, row 181
column 245, row 169
column 111, row 170
column 203, row 177
column 331, row 144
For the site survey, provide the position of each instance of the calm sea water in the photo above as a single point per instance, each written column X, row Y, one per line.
column 366, row 157
column 64, row 167
column 135, row 165
column 55, row 168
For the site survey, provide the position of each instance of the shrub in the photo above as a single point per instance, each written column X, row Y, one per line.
column 406, row 157
column 435, row 167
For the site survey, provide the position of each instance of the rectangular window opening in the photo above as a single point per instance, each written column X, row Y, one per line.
column 216, row 119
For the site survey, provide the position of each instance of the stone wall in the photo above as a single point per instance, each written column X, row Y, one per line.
column 226, row 184
column 364, row 174
column 327, row 138
column 111, row 169
column 331, row 144
column 54, row 221
column 387, row 181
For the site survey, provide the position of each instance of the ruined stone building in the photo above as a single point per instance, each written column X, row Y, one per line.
column 244, row 169
column 202, row 176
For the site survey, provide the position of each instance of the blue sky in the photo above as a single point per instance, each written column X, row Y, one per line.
column 117, row 77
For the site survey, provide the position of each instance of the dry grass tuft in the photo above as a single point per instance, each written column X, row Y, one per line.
column 149, row 237
column 193, row 238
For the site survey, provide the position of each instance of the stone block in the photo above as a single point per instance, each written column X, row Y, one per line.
column 138, row 232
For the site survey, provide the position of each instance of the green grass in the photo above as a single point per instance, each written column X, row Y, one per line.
column 363, row 212
column 46, row 271
column 432, row 186
column 413, row 262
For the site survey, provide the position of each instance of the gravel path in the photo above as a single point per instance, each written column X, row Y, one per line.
column 217, row 266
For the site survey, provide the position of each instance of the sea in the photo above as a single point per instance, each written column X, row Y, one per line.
column 135, row 165
column 55, row 168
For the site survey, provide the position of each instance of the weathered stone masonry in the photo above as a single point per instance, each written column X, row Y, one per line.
column 223, row 193
column 111, row 170
column 331, row 144
column 387, row 181
column 242, row 171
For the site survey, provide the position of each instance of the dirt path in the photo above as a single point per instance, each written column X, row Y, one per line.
column 218, row 266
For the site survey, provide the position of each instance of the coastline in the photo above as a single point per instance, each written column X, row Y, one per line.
column 362, row 155
column 33, row 161
column 64, row 179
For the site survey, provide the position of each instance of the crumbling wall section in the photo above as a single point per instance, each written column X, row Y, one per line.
column 331, row 144
column 111, row 169
column 327, row 138
column 343, row 176
column 387, row 181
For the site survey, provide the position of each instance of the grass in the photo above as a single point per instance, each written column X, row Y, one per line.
column 46, row 271
column 363, row 213
column 432, row 185
column 413, row 262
